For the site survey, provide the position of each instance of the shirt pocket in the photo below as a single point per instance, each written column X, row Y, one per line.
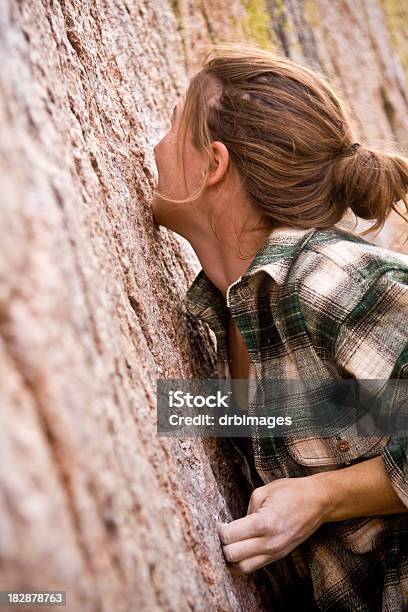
column 343, row 449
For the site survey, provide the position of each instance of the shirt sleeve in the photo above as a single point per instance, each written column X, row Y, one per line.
column 372, row 343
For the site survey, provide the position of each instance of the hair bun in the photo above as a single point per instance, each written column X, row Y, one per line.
column 353, row 148
column 350, row 150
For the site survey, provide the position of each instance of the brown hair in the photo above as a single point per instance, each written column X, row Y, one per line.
column 288, row 134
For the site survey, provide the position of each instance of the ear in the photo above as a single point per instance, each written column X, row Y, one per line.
column 220, row 164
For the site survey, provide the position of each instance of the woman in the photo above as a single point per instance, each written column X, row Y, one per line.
column 262, row 147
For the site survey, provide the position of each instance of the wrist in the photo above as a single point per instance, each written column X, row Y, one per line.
column 324, row 495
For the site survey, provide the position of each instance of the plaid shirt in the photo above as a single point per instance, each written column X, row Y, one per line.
column 318, row 304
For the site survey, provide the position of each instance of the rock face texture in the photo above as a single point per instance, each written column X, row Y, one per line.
column 92, row 291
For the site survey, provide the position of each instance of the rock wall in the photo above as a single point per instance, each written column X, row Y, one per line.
column 92, row 292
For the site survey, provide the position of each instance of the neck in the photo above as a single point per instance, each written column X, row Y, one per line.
column 225, row 261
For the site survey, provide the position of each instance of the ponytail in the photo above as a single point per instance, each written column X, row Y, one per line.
column 371, row 183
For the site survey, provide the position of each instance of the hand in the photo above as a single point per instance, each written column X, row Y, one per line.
column 280, row 516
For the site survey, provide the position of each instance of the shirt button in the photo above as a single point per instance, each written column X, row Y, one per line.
column 343, row 445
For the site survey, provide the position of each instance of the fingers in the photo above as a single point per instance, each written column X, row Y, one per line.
column 247, row 566
column 244, row 549
column 250, row 526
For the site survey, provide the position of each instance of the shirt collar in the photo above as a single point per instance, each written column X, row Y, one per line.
column 204, row 300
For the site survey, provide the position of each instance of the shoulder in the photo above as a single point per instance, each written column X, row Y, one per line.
column 353, row 254
column 336, row 249
column 330, row 272
column 336, row 271
column 348, row 296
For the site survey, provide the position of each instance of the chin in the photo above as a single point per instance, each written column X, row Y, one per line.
column 154, row 204
column 165, row 215
column 158, row 207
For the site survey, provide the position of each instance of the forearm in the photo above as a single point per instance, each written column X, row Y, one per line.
column 363, row 489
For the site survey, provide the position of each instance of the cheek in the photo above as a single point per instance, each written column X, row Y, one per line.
column 165, row 151
column 158, row 151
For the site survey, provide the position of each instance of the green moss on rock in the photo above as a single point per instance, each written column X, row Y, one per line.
column 256, row 24
column 311, row 13
column 396, row 18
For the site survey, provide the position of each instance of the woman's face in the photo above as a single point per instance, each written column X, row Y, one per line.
column 171, row 183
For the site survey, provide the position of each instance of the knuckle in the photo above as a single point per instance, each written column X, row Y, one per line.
column 255, row 496
column 270, row 546
column 275, row 548
column 244, row 567
column 260, row 524
column 230, row 555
